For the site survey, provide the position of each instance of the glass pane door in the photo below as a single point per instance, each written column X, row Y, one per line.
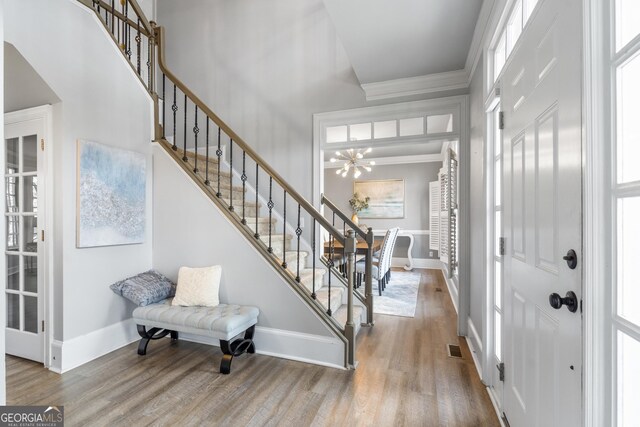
column 21, row 251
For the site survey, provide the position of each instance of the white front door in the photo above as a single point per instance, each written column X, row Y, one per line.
column 542, row 214
column 23, row 247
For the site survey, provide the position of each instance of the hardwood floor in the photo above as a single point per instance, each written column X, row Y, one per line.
column 405, row 378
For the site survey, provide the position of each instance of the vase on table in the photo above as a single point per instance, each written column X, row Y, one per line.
column 354, row 218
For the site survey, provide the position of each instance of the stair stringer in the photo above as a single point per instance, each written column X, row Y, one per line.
column 191, row 230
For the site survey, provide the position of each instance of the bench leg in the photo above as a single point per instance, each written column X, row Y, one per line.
column 236, row 348
column 174, row 335
column 151, row 334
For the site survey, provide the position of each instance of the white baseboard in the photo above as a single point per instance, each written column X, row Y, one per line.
column 475, row 345
column 453, row 291
column 298, row 346
column 432, row 263
column 66, row 355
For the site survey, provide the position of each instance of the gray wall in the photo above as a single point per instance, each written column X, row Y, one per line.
column 94, row 83
column 265, row 68
column 417, row 177
column 23, row 86
column 189, row 230
column 477, row 200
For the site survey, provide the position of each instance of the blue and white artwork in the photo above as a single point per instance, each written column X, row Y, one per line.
column 111, row 196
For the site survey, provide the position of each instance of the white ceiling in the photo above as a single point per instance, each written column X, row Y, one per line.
column 394, row 39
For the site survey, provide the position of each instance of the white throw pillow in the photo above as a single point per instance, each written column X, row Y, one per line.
column 198, row 286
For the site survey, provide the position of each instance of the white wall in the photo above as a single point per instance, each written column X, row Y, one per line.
column 189, row 230
column 102, row 101
column 478, row 209
column 3, row 305
column 416, row 176
column 24, row 88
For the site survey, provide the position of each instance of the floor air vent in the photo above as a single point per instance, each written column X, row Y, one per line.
column 454, row 351
column 438, row 289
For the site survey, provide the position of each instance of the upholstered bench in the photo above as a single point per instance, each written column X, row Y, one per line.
column 224, row 322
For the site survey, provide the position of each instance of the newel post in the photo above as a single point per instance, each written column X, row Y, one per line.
column 368, row 294
column 349, row 327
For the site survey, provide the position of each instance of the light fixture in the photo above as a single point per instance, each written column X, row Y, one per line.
column 353, row 158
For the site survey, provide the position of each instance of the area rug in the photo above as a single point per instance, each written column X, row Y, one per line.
column 401, row 295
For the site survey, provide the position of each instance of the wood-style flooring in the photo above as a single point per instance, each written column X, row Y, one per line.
column 404, row 378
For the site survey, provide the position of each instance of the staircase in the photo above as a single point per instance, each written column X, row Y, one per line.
column 302, row 244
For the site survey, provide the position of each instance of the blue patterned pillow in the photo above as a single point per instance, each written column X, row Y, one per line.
column 145, row 288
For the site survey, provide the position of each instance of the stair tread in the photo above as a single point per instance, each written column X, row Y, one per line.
column 322, row 296
column 212, row 156
column 340, row 315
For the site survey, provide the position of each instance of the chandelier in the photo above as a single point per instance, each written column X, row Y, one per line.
column 353, row 159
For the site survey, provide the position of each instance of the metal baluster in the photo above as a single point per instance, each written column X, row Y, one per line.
column 113, row 15
column 174, row 108
column 184, row 142
column 127, row 31
column 206, row 168
column 243, row 177
column 149, row 65
column 138, row 40
column 231, row 172
column 342, row 266
column 257, row 235
column 196, row 130
column 313, row 260
column 219, row 154
column 164, row 102
column 106, row 17
column 270, row 206
column 330, row 263
column 284, row 231
column 298, row 233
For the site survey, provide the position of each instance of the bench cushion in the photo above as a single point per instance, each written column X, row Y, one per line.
column 223, row 321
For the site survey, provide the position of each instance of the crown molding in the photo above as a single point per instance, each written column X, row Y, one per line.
column 416, row 85
column 395, row 160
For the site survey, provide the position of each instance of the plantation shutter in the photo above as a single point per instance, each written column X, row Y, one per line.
column 434, row 215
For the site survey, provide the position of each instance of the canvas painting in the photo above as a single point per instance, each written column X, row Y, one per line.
column 386, row 198
column 111, row 196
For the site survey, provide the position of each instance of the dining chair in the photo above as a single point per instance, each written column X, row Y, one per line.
column 380, row 269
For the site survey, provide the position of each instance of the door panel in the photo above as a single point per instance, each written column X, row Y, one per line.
column 24, row 291
column 541, row 92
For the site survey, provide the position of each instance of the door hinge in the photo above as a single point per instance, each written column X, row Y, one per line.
column 42, row 144
column 501, row 371
column 42, row 236
column 501, row 248
column 501, row 120
column 43, row 326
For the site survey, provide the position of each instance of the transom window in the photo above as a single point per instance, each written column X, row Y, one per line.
column 518, row 18
column 408, row 120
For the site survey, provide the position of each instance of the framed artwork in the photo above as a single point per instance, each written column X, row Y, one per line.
column 110, row 196
column 386, row 198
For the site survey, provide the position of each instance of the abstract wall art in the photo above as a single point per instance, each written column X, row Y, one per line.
column 110, row 196
column 386, row 198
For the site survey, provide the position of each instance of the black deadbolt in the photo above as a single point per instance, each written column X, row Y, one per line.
column 572, row 259
column 570, row 300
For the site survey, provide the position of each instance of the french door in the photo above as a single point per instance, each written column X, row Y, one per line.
column 542, row 220
column 24, row 227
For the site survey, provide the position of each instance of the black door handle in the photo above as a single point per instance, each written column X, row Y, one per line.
column 570, row 300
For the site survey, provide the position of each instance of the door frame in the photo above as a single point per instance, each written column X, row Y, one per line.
column 45, row 113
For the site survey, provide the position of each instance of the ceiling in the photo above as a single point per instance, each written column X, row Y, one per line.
column 388, row 40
